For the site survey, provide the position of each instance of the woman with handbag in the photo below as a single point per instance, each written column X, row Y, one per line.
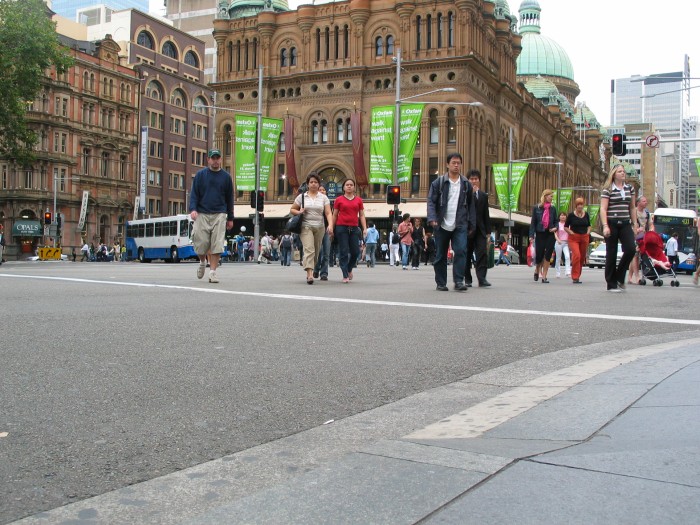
column 312, row 206
column 542, row 228
column 348, row 208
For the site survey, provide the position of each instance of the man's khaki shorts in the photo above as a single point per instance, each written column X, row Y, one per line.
column 209, row 233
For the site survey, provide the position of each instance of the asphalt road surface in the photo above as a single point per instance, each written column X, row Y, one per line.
column 116, row 373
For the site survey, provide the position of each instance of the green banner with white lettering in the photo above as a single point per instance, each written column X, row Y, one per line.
column 269, row 142
column 409, row 124
column 246, row 137
column 381, row 142
column 244, row 169
column 500, row 177
column 564, row 200
column 593, row 211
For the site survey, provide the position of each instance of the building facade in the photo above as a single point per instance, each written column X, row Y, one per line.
column 86, row 121
column 324, row 63
column 69, row 8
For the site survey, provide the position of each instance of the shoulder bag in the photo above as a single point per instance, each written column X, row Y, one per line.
column 294, row 222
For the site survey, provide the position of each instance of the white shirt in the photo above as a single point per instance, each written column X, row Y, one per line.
column 450, row 219
column 672, row 246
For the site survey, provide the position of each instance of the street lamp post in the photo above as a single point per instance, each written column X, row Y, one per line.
column 258, row 147
column 55, row 199
column 397, row 115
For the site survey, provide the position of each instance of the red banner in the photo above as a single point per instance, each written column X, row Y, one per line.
column 289, row 154
column 358, row 150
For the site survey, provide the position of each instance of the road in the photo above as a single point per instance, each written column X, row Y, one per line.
column 119, row 373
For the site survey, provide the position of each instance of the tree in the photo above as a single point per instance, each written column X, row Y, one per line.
column 29, row 48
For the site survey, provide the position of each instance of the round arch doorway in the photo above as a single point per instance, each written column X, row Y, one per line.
column 332, row 179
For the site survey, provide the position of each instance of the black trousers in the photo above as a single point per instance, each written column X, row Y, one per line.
column 476, row 245
column 620, row 232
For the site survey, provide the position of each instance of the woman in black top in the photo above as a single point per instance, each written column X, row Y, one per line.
column 418, row 236
column 542, row 227
column 578, row 226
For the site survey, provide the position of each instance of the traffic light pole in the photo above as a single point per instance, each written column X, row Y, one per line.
column 256, row 227
column 397, row 126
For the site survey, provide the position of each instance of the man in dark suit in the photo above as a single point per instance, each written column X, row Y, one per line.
column 478, row 239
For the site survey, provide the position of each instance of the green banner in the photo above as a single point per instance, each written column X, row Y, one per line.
column 500, row 177
column 244, row 169
column 246, row 137
column 564, row 200
column 381, row 142
column 593, row 211
column 269, row 144
column 408, row 138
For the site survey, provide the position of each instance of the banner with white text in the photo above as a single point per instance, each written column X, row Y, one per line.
column 244, row 169
column 381, row 142
column 272, row 128
column 564, row 200
column 500, row 177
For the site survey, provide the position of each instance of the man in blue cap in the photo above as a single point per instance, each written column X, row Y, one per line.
column 211, row 209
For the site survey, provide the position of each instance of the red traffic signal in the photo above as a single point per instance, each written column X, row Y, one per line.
column 393, row 195
column 47, row 217
column 618, row 145
column 391, row 215
column 260, row 201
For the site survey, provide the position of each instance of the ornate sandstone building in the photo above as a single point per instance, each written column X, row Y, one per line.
column 326, row 63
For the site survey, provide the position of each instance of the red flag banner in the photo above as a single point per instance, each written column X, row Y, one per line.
column 289, row 154
column 358, row 150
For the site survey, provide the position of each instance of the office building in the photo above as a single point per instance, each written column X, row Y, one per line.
column 69, row 8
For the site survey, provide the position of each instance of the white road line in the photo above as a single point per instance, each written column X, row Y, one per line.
column 576, row 315
column 485, row 416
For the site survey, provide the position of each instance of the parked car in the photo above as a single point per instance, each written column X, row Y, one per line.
column 596, row 259
column 512, row 255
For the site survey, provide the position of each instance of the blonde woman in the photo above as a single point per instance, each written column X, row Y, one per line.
column 542, row 227
column 618, row 212
column 313, row 228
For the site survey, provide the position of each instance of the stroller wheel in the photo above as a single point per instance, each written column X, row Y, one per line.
column 643, row 281
column 659, row 282
column 675, row 283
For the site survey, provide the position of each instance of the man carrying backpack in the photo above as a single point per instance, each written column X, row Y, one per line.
column 286, row 249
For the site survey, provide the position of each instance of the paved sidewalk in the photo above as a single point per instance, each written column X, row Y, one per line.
column 576, row 436
column 621, row 447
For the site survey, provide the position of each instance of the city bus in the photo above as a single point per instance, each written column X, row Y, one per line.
column 684, row 222
column 167, row 238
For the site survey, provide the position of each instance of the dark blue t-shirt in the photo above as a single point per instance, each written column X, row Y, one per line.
column 212, row 192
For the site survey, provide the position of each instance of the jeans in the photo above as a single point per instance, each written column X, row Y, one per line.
column 459, row 246
column 371, row 253
column 405, row 254
column 241, row 253
column 562, row 248
column 623, row 234
column 286, row 259
column 502, row 258
column 322, row 262
column 348, row 247
column 417, row 255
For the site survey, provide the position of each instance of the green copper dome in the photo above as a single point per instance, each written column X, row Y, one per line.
column 243, row 8
column 540, row 55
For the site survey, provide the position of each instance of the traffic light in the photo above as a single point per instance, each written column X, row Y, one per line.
column 58, row 219
column 253, row 199
column 47, row 217
column 619, row 147
column 393, row 195
column 260, row 201
column 391, row 215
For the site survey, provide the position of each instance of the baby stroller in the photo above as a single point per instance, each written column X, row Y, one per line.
column 653, row 262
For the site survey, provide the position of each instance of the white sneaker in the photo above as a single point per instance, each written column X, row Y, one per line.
column 615, row 290
column 200, row 270
column 213, row 278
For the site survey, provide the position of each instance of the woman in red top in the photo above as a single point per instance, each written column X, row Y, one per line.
column 346, row 210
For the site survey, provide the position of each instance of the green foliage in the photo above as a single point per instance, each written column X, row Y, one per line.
column 29, row 47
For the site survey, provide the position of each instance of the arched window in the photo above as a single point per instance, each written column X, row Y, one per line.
column 227, row 139
column 284, row 57
column 169, row 50
column 346, row 41
column 154, row 90
column 92, row 82
column 339, row 130
column 439, row 30
column 178, row 98
column 191, row 59
column 434, row 130
column 419, row 32
column 314, row 132
column 327, row 54
column 145, row 40
column 199, row 105
column 293, row 56
column 450, row 29
column 389, row 45
column 377, row 84
column 348, row 130
column 281, row 146
column 86, row 81
column 379, row 47
column 336, row 42
column 324, row 132
column 451, row 126
column 429, row 32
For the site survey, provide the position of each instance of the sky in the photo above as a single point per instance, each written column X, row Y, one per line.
column 607, row 39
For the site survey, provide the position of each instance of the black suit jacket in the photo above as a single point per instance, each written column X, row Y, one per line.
column 483, row 218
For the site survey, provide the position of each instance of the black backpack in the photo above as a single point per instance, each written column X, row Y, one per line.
column 287, row 242
column 395, row 239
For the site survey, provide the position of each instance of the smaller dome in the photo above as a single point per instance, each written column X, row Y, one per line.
column 502, row 9
column 529, row 4
column 541, row 87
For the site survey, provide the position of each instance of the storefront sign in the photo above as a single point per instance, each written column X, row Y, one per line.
column 27, row 229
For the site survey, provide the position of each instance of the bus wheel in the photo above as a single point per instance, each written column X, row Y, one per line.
column 142, row 258
column 174, row 255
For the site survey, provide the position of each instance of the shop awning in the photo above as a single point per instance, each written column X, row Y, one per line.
column 27, row 229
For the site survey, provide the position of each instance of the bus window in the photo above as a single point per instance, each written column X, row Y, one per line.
column 141, row 230
column 149, row 230
column 159, row 229
column 183, row 228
